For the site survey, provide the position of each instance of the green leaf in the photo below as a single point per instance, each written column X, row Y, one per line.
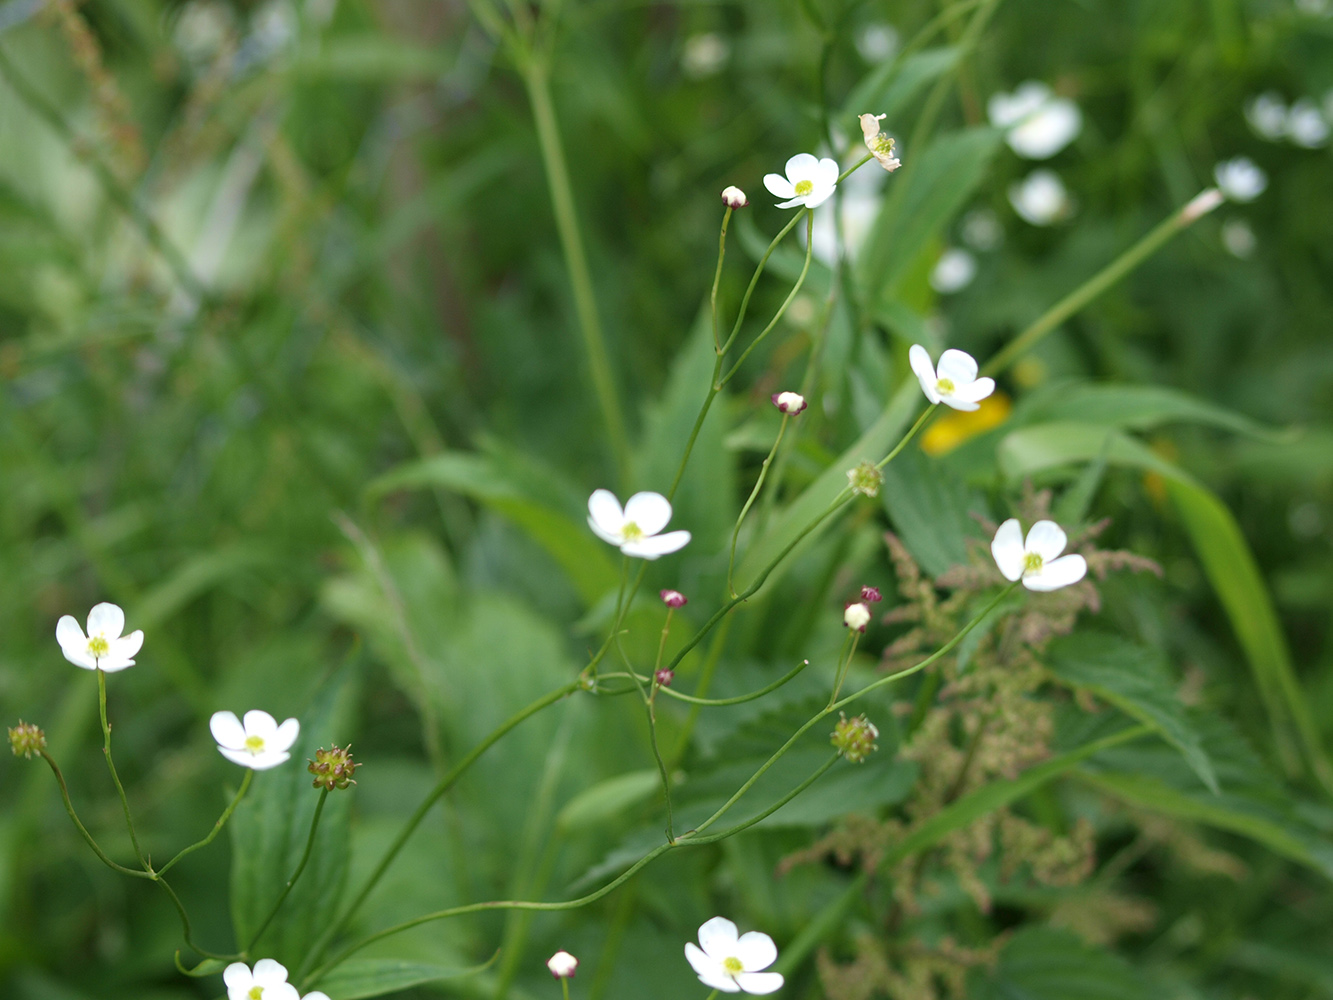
column 370, row 58
column 1136, row 680
column 928, row 507
column 1030, row 450
column 607, row 799
column 891, row 87
column 1041, row 963
column 374, row 977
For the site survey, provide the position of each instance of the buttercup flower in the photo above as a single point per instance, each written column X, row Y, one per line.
column 673, row 598
column 1240, row 179
column 809, row 181
column 1040, row 198
column 103, row 648
column 955, row 384
column 731, row 963
column 268, row 981
column 258, row 744
column 1039, row 124
column 789, row 402
column 1037, row 562
column 856, row 616
column 880, row 146
column 634, row 530
column 733, row 197
column 562, row 965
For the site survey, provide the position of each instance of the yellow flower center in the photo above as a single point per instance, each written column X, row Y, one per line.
column 803, row 188
column 254, row 744
column 733, row 965
column 945, row 386
column 256, row 992
column 98, row 646
column 631, row 531
column 1032, row 562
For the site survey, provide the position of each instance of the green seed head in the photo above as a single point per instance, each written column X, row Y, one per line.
column 865, row 479
column 26, row 739
column 855, row 738
column 333, row 768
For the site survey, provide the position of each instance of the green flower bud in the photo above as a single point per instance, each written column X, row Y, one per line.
column 26, row 739
column 333, row 768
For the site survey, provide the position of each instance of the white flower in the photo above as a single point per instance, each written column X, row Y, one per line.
column 953, row 272
column 789, row 402
column 259, row 744
column 1038, row 123
column 1036, row 562
column 857, row 210
column 562, row 965
column 982, row 230
column 955, row 384
column 856, row 616
column 317, row 995
column 730, row 963
column 1040, row 198
column 1267, row 115
column 103, row 648
column 877, row 42
column 268, row 981
column 1305, row 124
column 1240, row 179
column 634, row 530
column 880, row 146
column 809, row 182
column 733, row 197
column 1238, row 238
column 704, row 55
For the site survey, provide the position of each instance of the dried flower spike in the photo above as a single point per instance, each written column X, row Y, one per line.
column 855, row 738
column 26, row 739
column 333, row 768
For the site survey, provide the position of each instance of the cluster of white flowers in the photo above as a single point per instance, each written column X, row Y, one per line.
column 266, row 981
column 1303, row 124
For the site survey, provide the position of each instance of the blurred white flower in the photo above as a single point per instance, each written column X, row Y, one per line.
column 1238, row 238
column 634, row 530
column 1240, row 179
column 955, row 384
column 268, row 981
column 259, row 744
column 1037, row 562
column 704, row 55
column 1306, row 125
column 562, row 965
column 273, row 26
column 809, row 181
column 1267, row 115
column 103, row 648
column 201, row 29
column 1040, row 198
column 856, row 616
column 953, row 272
column 981, row 230
column 877, row 42
column 731, row 963
column 1037, row 123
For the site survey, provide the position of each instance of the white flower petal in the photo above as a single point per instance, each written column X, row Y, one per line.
column 778, row 186
column 756, row 951
column 317, row 995
column 976, row 390
column 111, row 664
column 1007, row 548
column 1048, row 131
column 269, row 972
column 260, row 723
column 614, row 537
column 1060, row 573
column 227, row 730
column 285, row 735
column 68, row 633
column 243, row 757
column 718, row 937
column 80, row 657
column 656, row 545
column 719, row 981
column 802, row 166
column 1046, row 539
column 957, row 366
column 126, row 647
column 281, row 991
column 955, row 403
column 792, row 203
column 106, row 620
column 604, row 512
column 700, row 962
column 650, row 511
column 826, row 173
column 1005, row 110
column 818, row 196
column 237, row 975
column 920, row 361
column 759, row 982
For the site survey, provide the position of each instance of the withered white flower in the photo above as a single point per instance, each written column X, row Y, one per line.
column 1037, row 562
column 635, row 529
column 955, row 383
column 259, row 744
column 730, row 962
column 103, row 648
column 809, row 181
column 880, row 146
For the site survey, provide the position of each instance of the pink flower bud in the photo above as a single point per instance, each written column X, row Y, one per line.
column 789, row 402
column 674, row 599
column 733, row 197
column 871, row 595
column 664, row 677
column 563, row 965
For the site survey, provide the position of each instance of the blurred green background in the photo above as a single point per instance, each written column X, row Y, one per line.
column 291, row 368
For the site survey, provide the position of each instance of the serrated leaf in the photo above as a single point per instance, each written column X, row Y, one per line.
column 928, row 508
column 1136, row 680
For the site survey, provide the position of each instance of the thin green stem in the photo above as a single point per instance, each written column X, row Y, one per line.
column 564, row 985
column 441, row 787
column 536, row 77
column 88, row 837
column 300, row 867
column 650, row 705
column 782, row 310
column 217, row 827
column 701, row 689
column 1178, row 221
column 717, row 277
column 759, row 484
column 741, row 698
column 844, row 662
column 920, row 422
column 622, row 608
column 185, row 923
column 731, row 831
column 754, row 280
column 111, row 766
